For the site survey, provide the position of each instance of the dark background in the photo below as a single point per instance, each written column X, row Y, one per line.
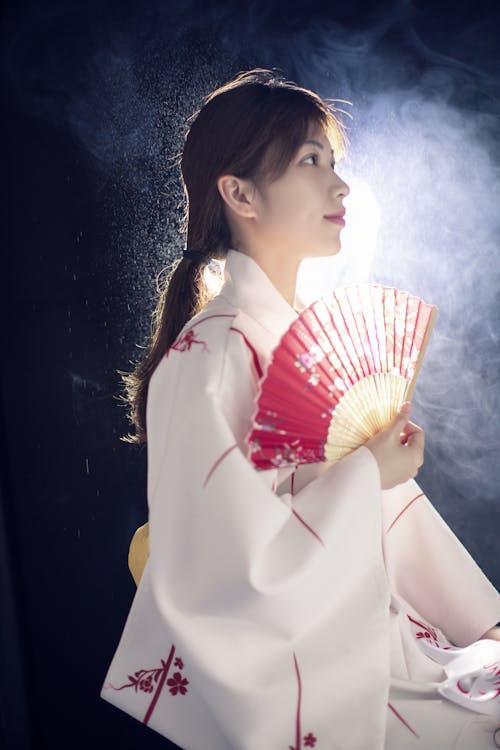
column 95, row 101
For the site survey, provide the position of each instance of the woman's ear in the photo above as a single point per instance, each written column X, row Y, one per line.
column 238, row 194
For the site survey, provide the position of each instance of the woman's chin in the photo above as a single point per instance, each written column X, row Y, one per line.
column 322, row 251
column 329, row 251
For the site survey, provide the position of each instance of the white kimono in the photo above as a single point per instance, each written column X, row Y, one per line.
column 284, row 609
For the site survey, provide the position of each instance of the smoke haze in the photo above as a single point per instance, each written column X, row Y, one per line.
column 424, row 141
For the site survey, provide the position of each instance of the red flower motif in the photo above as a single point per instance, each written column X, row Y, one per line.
column 427, row 632
column 184, row 343
column 178, row 684
column 424, row 635
column 146, row 684
column 310, row 740
column 153, row 681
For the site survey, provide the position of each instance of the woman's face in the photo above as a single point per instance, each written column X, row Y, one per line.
column 291, row 211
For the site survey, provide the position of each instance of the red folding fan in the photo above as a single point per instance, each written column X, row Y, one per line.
column 339, row 374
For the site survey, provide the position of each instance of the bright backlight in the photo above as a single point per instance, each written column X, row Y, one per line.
column 353, row 263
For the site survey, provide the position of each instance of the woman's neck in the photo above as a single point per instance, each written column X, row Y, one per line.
column 281, row 271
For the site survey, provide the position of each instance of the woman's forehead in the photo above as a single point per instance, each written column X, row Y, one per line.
column 315, row 129
column 317, row 133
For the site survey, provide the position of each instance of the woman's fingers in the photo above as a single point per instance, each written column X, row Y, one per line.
column 398, row 449
column 413, row 439
column 410, row 429
column 416, row 437
column 400, row 419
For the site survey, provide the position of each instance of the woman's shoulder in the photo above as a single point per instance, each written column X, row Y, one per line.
column 212, row 357
column 211, row 325
column 213, row 348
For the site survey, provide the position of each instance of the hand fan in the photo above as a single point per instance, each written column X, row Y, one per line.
column 339, row 374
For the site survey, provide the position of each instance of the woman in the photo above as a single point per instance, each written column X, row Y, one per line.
column 280, row 608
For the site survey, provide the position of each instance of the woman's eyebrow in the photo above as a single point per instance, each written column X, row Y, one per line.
column 315, row 143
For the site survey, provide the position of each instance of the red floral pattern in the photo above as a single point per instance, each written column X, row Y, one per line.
column 310, row 740
column 146, row 684
column 185, row 342
column 145, row 680
column 427, row 632
column 494, row 668
column 178, row 684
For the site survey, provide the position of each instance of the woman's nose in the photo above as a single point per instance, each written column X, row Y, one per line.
column 341, row 187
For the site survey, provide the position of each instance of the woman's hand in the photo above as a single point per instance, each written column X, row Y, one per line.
column 398, row 449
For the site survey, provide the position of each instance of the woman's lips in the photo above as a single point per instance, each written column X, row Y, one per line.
column 336, row 220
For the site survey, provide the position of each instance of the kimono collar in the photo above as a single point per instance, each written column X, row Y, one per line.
column 248, row 287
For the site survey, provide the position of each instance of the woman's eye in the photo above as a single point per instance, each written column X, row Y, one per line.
column 314, row 157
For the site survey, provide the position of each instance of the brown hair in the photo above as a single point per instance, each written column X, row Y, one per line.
column 250, row 127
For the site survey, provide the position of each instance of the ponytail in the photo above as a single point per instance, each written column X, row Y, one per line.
column 183, row 294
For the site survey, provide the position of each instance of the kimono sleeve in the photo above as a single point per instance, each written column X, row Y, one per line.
column 250, row 582
column 429, row 566
column 221, row 503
